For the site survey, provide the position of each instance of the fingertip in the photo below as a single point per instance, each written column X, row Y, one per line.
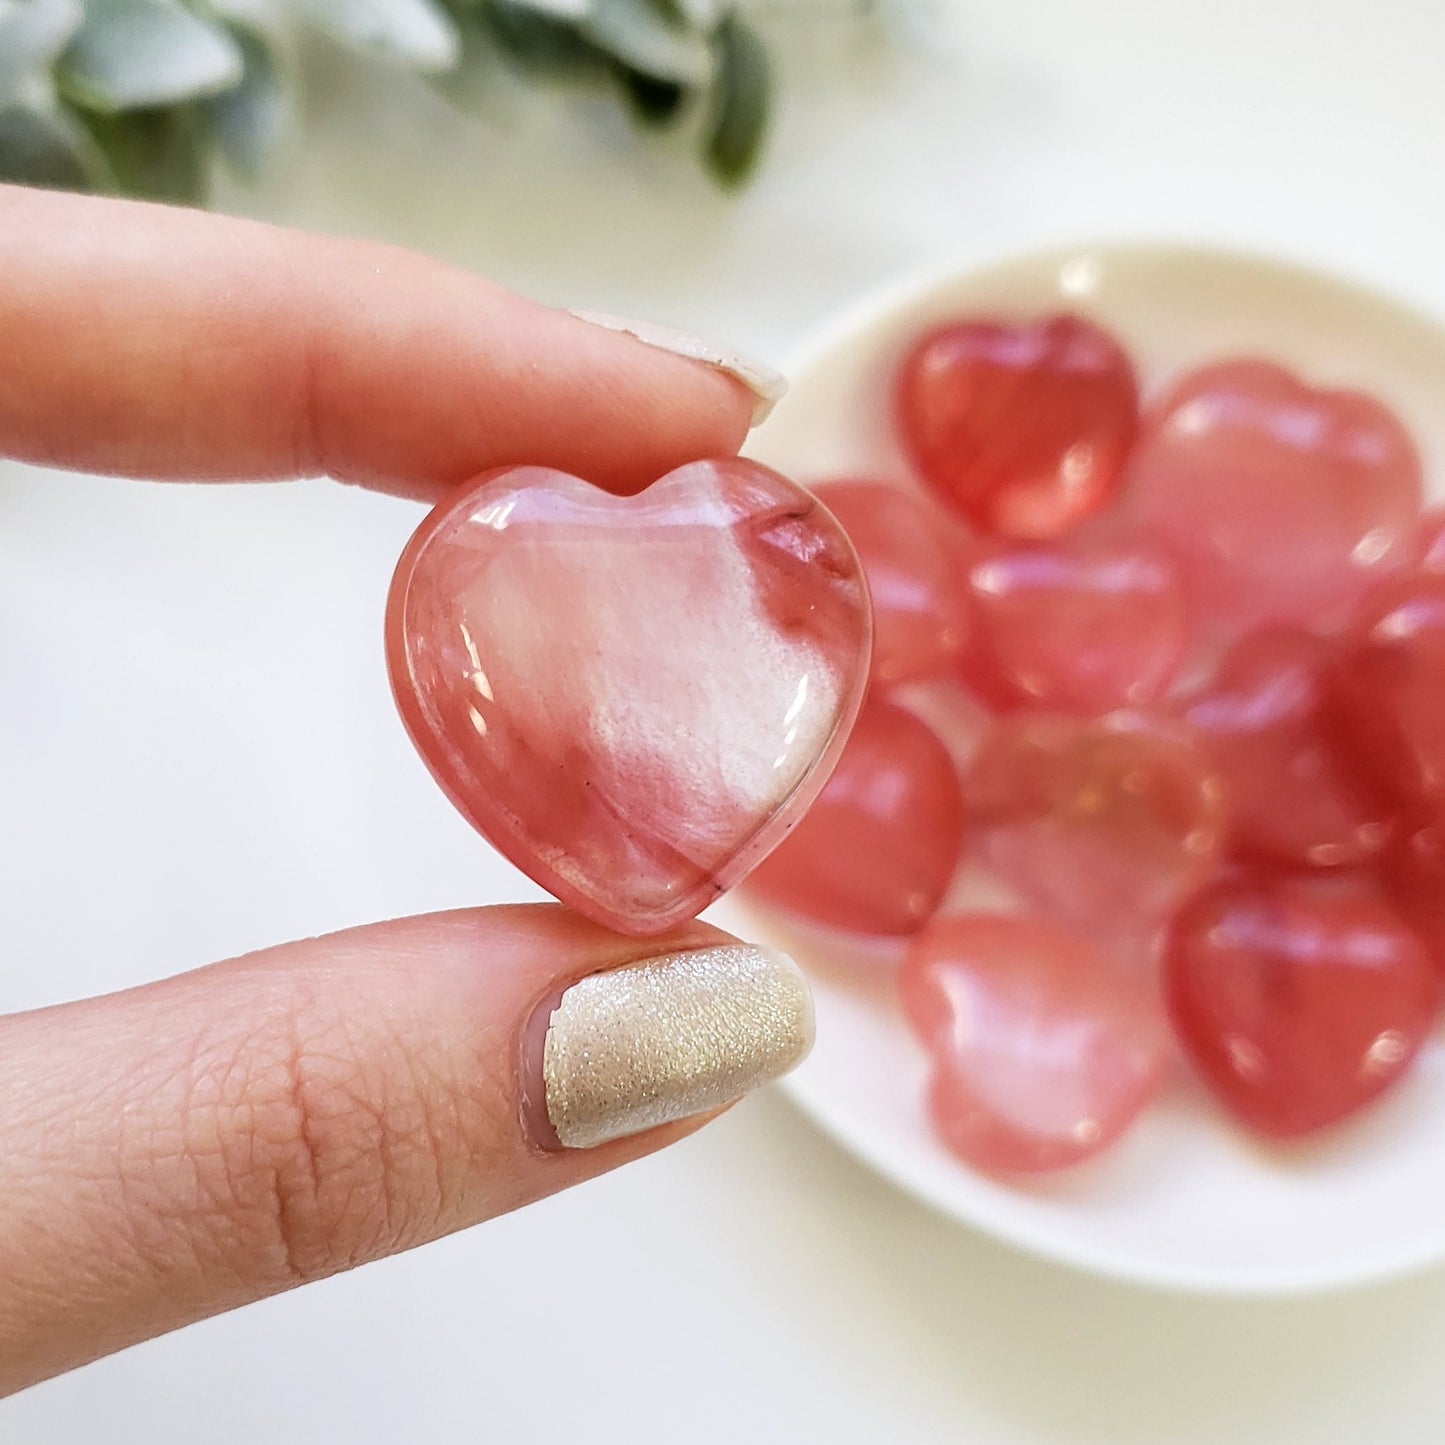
column 557, row 390
column 165, row 343
column 646, row 399
column 759, row 386
column 277, row 1118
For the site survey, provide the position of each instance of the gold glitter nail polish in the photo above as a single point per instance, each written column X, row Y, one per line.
column 671, row 1036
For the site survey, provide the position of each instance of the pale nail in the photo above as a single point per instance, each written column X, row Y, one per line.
column 672, row 1036
column 766, row 385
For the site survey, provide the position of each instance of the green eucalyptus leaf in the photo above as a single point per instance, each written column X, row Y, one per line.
column 704, row 15
column 538, row 43
column 479, row 83
column 143, row 54
column 47, row 147
column 558, row 9
column 653, row 104
column 741, row 103
column 647, row 39
column 246, row 121
column 465, row 85
column 160, row 154
column 417, row 32
column 32, row 34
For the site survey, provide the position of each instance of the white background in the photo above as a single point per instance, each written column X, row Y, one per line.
column 201, row 758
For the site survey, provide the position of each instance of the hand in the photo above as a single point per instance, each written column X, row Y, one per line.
column 183, row 1148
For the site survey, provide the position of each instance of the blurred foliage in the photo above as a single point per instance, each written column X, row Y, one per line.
column 141, row 96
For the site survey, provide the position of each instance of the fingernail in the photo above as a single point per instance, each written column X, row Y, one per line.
column 766, row 385
column 672, row 1036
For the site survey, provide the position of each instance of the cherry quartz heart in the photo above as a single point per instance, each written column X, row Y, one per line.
column 1429, row 551
column 1282, row 502
column 1043, row 1048
column 1388, row 692
column 1411, row 871
column 1104, row 825
column 878, row 848
column 1298, row 1000
column 1387, row 715
column 910, row 557
column 1075, row 629
column 1264, row 720
column 1022, row 427
column 633, row 698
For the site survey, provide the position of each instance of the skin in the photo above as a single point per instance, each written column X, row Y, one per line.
column 176, row 1150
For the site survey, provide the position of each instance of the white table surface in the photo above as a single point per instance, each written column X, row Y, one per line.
column 753, row 1283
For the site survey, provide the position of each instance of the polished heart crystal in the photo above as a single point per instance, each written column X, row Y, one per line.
column 1264, row 719
column 1105, row 825
column 1411, row 872
column 910, row 557
column 1429, row 548
column 876, row 851
column 1282, row 502
column 1076, row 629
column 632, row 698
column 1299, row 1000
column 1043, row 1050
column 1388, row 692
column 1022, row 427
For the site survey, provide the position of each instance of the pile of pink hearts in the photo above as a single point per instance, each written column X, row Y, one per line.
column 1198, row 640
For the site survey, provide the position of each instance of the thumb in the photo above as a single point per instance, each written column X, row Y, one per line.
column 183, row 1148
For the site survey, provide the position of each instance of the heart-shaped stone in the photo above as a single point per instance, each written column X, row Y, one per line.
column 1264, row 719
column 1044, row 1048
column 1429, row 549
column 1388, row 692
column 632, row 698
column 1078, row 629
column 1103, row 825
column 879, row 846
column 1281, row 501
column 1023, row 427
column 1411, row 872
column 909, row 550
column 1298, row 999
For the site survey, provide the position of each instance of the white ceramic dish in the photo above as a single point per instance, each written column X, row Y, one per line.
column 1185, row 1201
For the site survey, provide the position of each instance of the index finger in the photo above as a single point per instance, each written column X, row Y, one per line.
column 149, row 341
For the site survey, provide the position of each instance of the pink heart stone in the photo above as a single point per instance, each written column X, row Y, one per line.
column 1264, row 720
column 1281, row 502
column 1072, row 628
column 1299, row 1000
column 1388, row 693
column 877, row 850
column 1430, row 541
column 1411, row 873
column 632, row 698
column 1044, row 1049
column 1021, row 426
column 1105, row 825
column 910, row 553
